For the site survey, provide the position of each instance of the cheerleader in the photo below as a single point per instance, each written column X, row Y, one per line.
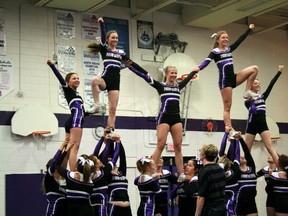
column 110, row 78
column 230, row 162
column 257, row 116
column 168, row 119
column 266, row 172
column 79, row 186
column 54, row 189
column 279, row 184
column 74, row 124
column 118, row 202
column 188, row 189
column 147, row 185
column 245, row 201
column 222, row 55
column 165, row 177
column 101, row 176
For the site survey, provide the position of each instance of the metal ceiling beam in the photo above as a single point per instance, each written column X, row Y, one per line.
column 155, row 8
column 42, row 2
column 98, row 6
column 271, row 28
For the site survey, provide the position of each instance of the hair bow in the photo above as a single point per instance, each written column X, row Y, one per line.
column 213, row 35
column 143, row 160
column 82, row 161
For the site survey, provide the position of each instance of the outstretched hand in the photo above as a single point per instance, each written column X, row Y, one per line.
column 251, row 26
column 69, row 146
column 128, row 63
column 228, row 127
column 49, row 62
column 65, row 143
column 196, row 69
column 280, row 67
column 238, row 135
column 100, row 20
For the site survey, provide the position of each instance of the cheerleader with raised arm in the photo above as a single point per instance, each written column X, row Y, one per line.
column 256, row 122
column 110, row 78
column 222, row 55
column 79, row 185
column 118, row 198
column 53, row 187
column 101, row 176
column 230, row 162
column 74, row 124
column 168, row 119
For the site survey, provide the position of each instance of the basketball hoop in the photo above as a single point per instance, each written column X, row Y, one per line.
column 185, row 75
column 41, row 139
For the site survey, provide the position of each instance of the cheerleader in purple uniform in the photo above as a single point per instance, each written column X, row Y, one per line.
column 101, row 176
column 230, row 162
column 54, row 190
column 266, row 172
column 118, row 201
column 110, row 78
column 74, row 124
column 245, row 201
column 168, row 119
column 79, row 185
column 222, row 55
column 279, row 185
column 165, row 178
column 188, row 189
column 257, row 116
column 147, row 185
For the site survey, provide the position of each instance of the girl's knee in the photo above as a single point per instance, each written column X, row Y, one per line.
column 177, row 147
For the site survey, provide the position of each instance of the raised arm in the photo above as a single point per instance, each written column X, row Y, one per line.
column 57, row 73
column 52, row 167
column 223, row 144
column 103, row 30
column 207, row 61
column 187, row 79
column 241, row 38
column 234, row 150
column 98, row 147
column 273, row 81
column 138, row 70
column 123, row 163
column 62, row 171
column 248, row 156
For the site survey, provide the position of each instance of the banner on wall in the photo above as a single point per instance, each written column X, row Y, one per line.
column 90, row 27
column 2, row 44
column 6, row 76
column 2, row 34
column 2, row 21
column 92, row 66
column 121, row 26
column 66, row 64
column 65, row 24
column 66, row 58
column 91, row 63
column 61, row 98
column 145, row 36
